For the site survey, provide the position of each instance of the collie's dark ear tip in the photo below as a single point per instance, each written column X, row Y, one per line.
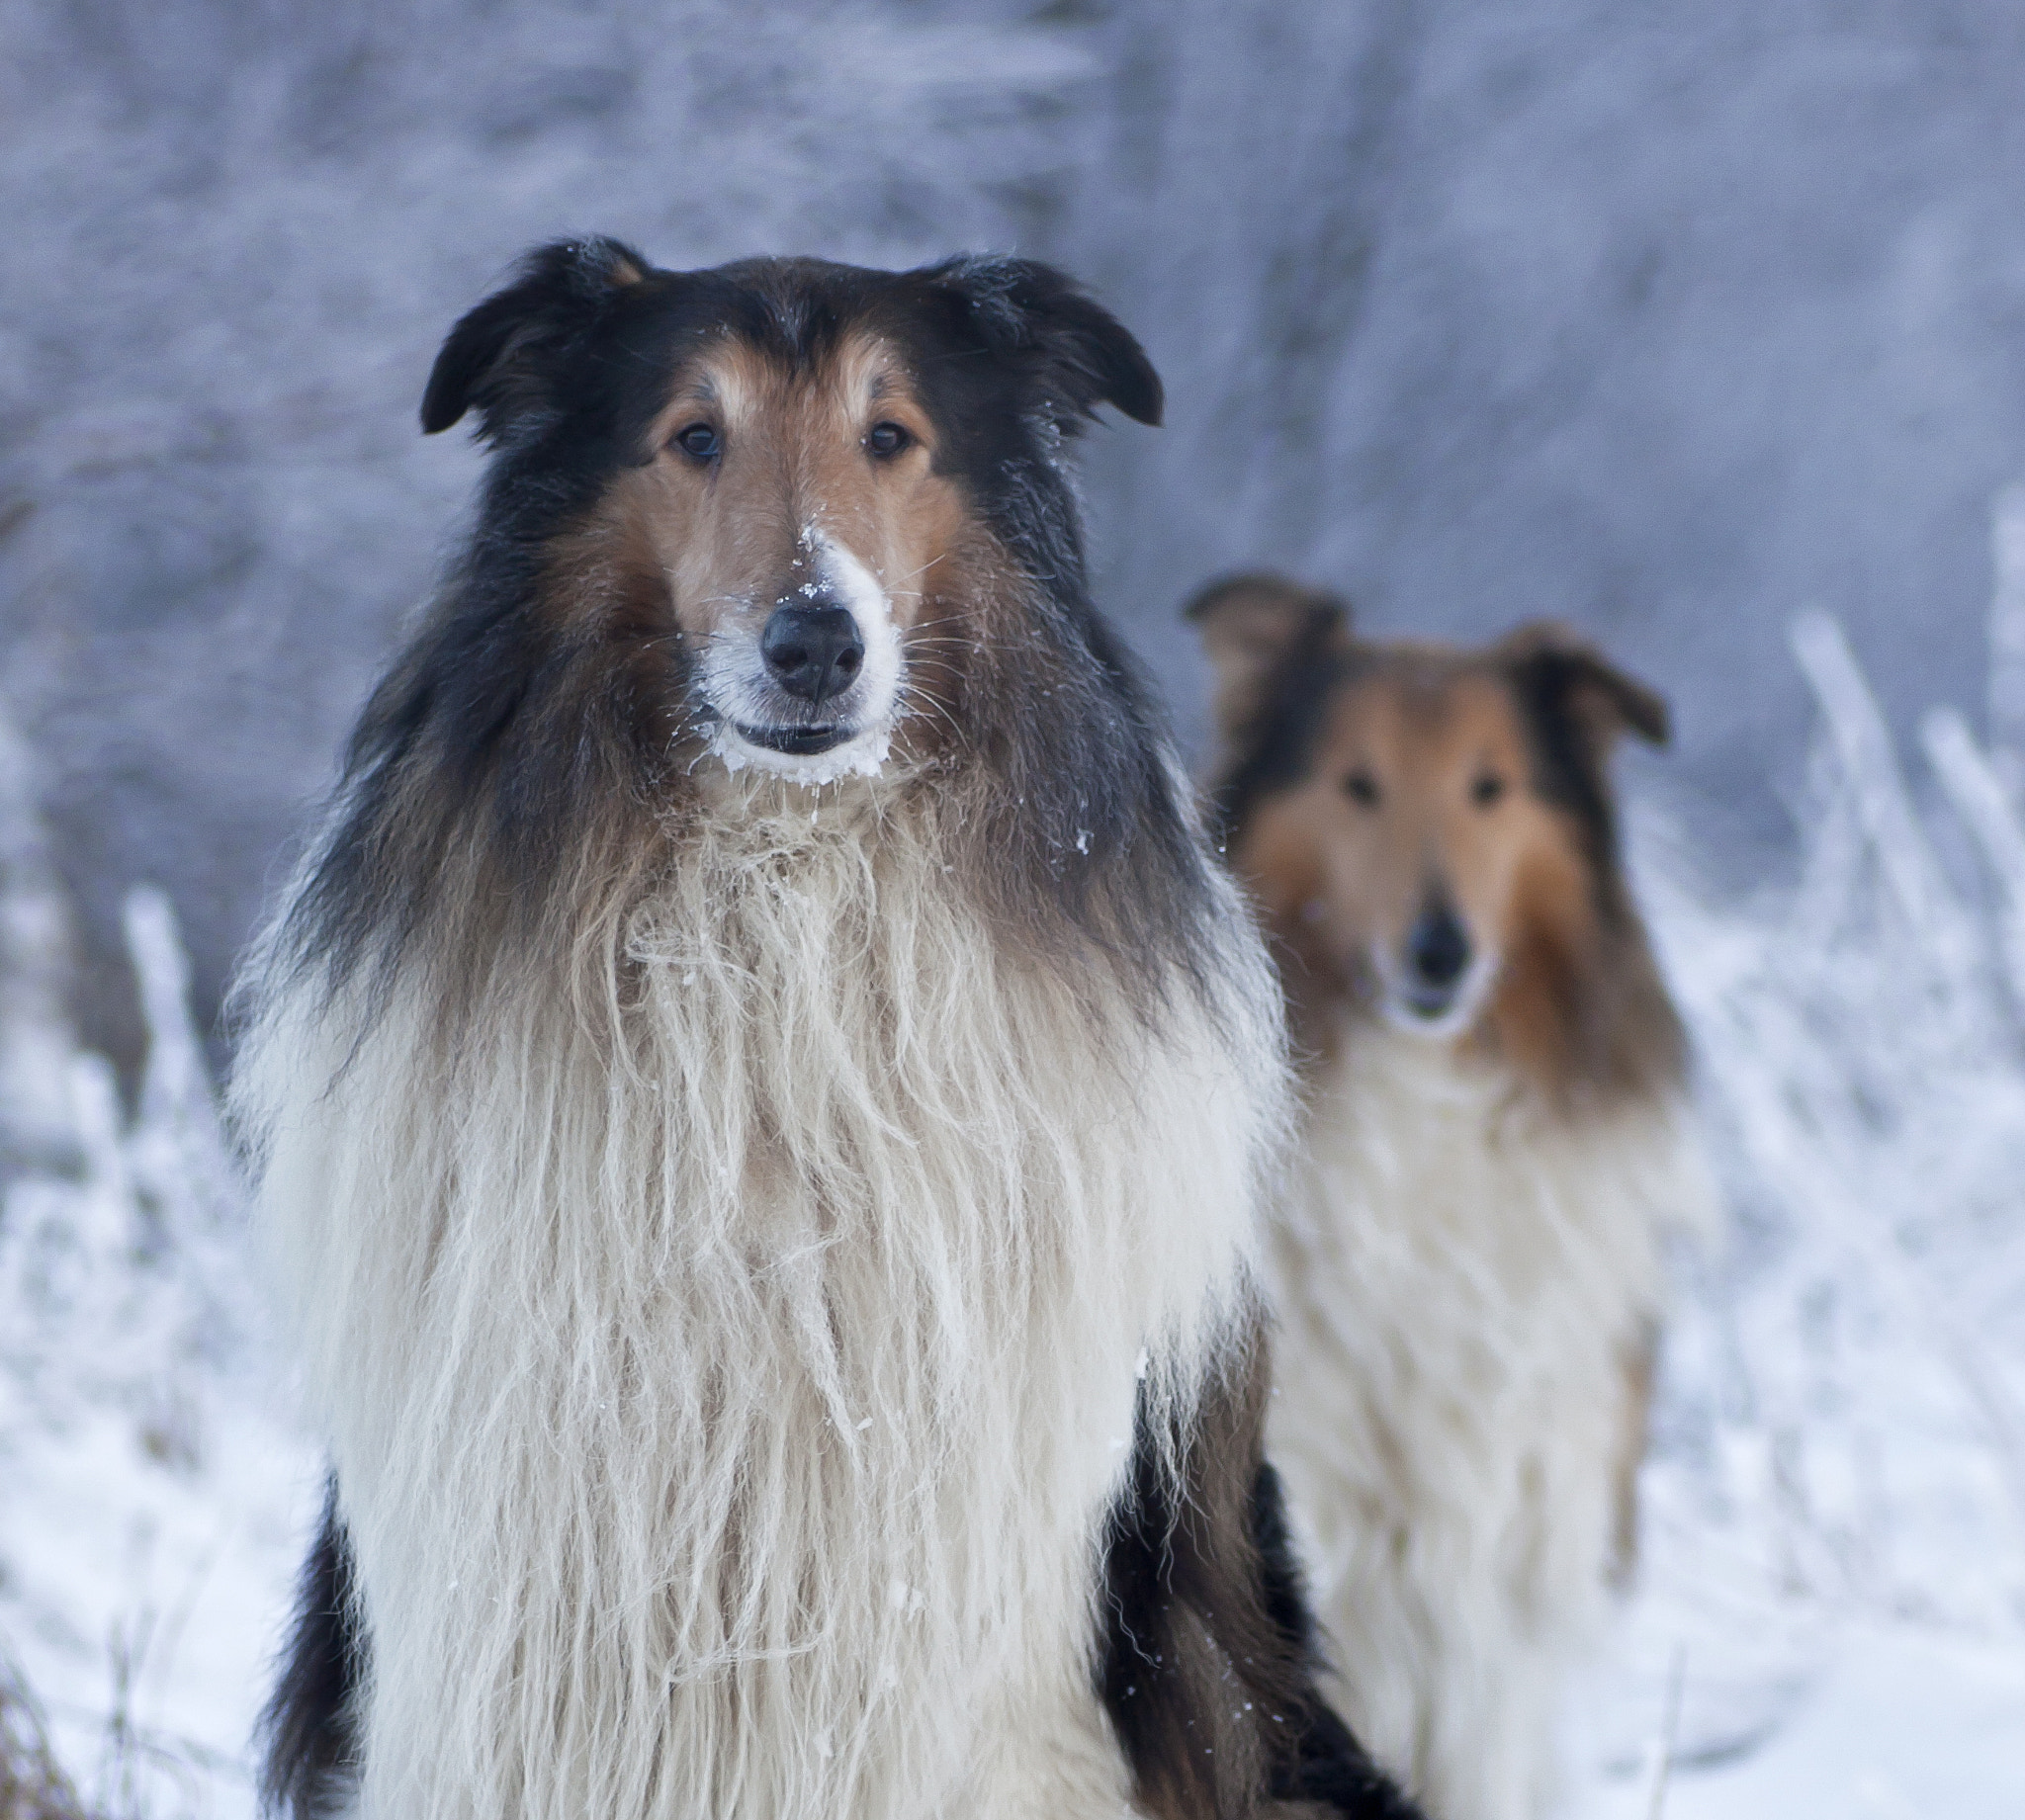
column 560, row 277
column 468, row 351
column 1137, row 391
column 441, row 405
column 1543, row 638
column 615, row 263
column 589, row 264
column 1262, row 591
column 1553, row 650
column 1654, row 723
column 1120, row 372
column 1226, row 591
column 1026, row 305
column 1147, row 407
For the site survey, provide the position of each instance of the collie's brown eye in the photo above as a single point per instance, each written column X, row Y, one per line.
column 699, row 442
column 886, row 439
column 1486, row 790
column 1362, row 789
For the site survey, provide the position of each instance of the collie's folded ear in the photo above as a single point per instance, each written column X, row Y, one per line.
column 1558, row 672
column 1082, row 353
column 496, row 358
column 1252, row 625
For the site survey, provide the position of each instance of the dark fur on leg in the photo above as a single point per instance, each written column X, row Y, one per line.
column 308, row 1728
column 1209, row 1664
column 1331, row 1769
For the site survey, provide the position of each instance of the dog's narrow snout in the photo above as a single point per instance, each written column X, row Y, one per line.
column 1438, row 946
column 813, row 653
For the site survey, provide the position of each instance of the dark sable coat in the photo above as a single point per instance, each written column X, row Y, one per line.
column 545, row 748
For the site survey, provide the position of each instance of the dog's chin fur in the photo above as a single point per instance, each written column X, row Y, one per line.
column 1463, row 1272
column 672, row 1318
column 1453, row 1020
column 863, row 754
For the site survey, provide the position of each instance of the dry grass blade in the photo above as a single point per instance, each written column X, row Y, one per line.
column 33, row 1785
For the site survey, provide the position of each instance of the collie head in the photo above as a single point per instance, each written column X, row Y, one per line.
column 779, row 531
column 1432, row 836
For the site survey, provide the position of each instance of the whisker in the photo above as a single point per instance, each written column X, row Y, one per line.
column 922, row 571
column 917, row 700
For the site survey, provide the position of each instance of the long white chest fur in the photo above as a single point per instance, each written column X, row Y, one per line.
column 1462, row 1280
column 730, row 1351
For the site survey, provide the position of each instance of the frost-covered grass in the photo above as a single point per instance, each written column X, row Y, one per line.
column 151, row 1497
column 1832, row 1614
column 1836, row 1502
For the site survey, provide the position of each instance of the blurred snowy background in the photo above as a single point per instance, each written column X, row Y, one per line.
column 1703, row 326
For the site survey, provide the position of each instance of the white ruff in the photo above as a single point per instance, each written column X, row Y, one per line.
column 730, row 1356
column 1461, row 1277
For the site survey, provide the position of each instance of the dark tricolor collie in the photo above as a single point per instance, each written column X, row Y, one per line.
column 761, row 1108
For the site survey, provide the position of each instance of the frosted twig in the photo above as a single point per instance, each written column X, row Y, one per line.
column 1863, row 746
column 1665, row 1746
column 1979, row 798
column 2008, row 624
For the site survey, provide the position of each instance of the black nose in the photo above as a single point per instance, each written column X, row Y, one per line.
column 813, row 652
column 1438, row 946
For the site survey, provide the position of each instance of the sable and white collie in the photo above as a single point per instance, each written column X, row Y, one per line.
column 1495, row 1137
column 760, row 1104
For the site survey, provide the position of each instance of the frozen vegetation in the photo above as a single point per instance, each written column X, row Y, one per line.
column 1478, row 308
column 152, row 1487
column 1831, row 1618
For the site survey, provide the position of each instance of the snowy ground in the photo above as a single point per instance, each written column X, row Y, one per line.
column 1831, row 1621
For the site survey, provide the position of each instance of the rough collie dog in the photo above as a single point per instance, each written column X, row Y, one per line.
column 1494, row 1137
column 760, row 1100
